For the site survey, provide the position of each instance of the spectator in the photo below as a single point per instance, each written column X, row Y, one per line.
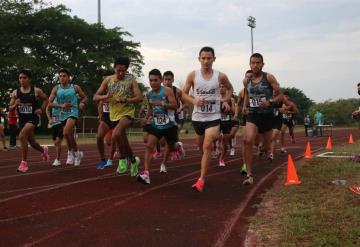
column 318, row 121
column 307, row 124
column 13, row 129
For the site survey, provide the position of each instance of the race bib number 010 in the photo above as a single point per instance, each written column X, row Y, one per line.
column 25, row 109
column 255, row 101
column 161, row 119
column 208, row 107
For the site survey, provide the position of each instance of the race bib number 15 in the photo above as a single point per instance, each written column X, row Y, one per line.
column 256, row 100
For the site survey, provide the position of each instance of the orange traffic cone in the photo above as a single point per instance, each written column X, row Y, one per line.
column 308, row 154
column 351, row 140
column 292, row 177
column 329, row 144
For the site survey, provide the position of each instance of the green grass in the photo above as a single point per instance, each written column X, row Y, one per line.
column 315, row 213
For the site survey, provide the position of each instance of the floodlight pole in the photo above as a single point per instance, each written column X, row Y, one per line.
column 252, row 25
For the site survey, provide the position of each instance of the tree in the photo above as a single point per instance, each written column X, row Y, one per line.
column 44, row 38
column 301, row 100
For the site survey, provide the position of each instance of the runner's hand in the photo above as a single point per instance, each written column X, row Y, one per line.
column 226, row 107
column 81, row 106
column 199, row 101
column 38, row 112
column 265, row 104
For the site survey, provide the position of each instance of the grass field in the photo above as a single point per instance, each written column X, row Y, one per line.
column 315, row 213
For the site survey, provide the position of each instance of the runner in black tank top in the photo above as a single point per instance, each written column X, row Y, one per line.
column 25, row 99
column 262, row 90
column 289, row 110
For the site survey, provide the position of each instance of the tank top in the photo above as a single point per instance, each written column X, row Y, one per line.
column 67, row 95
column 259, row 92
column 28, row 104
column 121, row 88
column 160, row 115
column 210, row 91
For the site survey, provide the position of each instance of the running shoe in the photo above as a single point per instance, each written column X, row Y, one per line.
column 199, row 185
column 221, row 162
column 156, row 155
column 70, row 158
column 163, row 168
column 134, row 167
column 78, row 157
column 181, row 150
column 283, row 150
column 243, row 170
column 355, row 189
column 122, row 167
column 56, row 162
column 248, row 180
column 232, row 151
column 23, row 167
column 144, row 177
column 108, row 163
column 271, row 157
column 101, row 164
column 45, row 154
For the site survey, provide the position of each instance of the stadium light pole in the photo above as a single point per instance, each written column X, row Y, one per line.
column 252, row 25
column 99, row 11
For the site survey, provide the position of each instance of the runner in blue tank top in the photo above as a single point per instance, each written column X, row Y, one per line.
column 161, row 100
column 25, row 100
column 66, row 95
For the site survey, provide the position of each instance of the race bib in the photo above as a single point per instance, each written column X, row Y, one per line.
column 255, row 101
column 287, row 116
column 25, row 109
column 208, row 107
column 161, row 119
column 106, row 107
column 66, row 110
column 56, row 118
column 225, row 117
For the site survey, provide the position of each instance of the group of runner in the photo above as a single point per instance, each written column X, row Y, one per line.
column 262, row 108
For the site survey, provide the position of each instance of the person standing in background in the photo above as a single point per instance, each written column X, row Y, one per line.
column 307, row 123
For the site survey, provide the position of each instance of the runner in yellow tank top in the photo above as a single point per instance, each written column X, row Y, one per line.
column 122, row 91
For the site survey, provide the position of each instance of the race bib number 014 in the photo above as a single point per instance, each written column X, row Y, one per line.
column 208, row 107
column 255, row 101
column 161, row 119
column 25, row 109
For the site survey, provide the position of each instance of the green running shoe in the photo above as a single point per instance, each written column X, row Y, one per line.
column 122, row 166
column 134, row 168
column 248, row 180
column 243, row 169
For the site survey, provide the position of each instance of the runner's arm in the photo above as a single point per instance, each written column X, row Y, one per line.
column 100, row 93
column 42, row 96
column 229, row 88
column 137, row 93
column 171, row 98
column 185, row 97
column 52, row 98
column 277, row 95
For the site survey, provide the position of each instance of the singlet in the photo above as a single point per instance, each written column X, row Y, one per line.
column 28, row 104
column 160, row 117
column 120, row 88
column 259, row 92
column 67, row 95
column 210, row 91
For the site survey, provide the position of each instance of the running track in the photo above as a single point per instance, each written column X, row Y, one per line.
column 81, row 206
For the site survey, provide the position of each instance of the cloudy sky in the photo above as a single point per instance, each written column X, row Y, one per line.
column 313, row 45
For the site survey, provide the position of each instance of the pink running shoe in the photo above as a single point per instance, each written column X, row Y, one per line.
column 221, row 162
column 45, row 155
column 199, row 185
column 23, row 167
column 156, row 155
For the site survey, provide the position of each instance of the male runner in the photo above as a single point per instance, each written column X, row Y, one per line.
column 53, row 116
column 262, row 90
column 289, row 110
column 26, row 100
column 65, row 97
column 161, row 100
column 122, row 91
column 206, row 115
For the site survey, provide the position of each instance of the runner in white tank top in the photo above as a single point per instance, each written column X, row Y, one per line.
column 206, row 114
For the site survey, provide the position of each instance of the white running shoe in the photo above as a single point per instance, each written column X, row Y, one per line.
column 70, row 158
column 144, row 178
column 163, row 168
column 56, row 162
column 78, row 156
column 181, row 149
column 232, row 151
column 221, row 162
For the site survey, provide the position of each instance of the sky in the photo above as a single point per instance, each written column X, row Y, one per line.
column 313, row 45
